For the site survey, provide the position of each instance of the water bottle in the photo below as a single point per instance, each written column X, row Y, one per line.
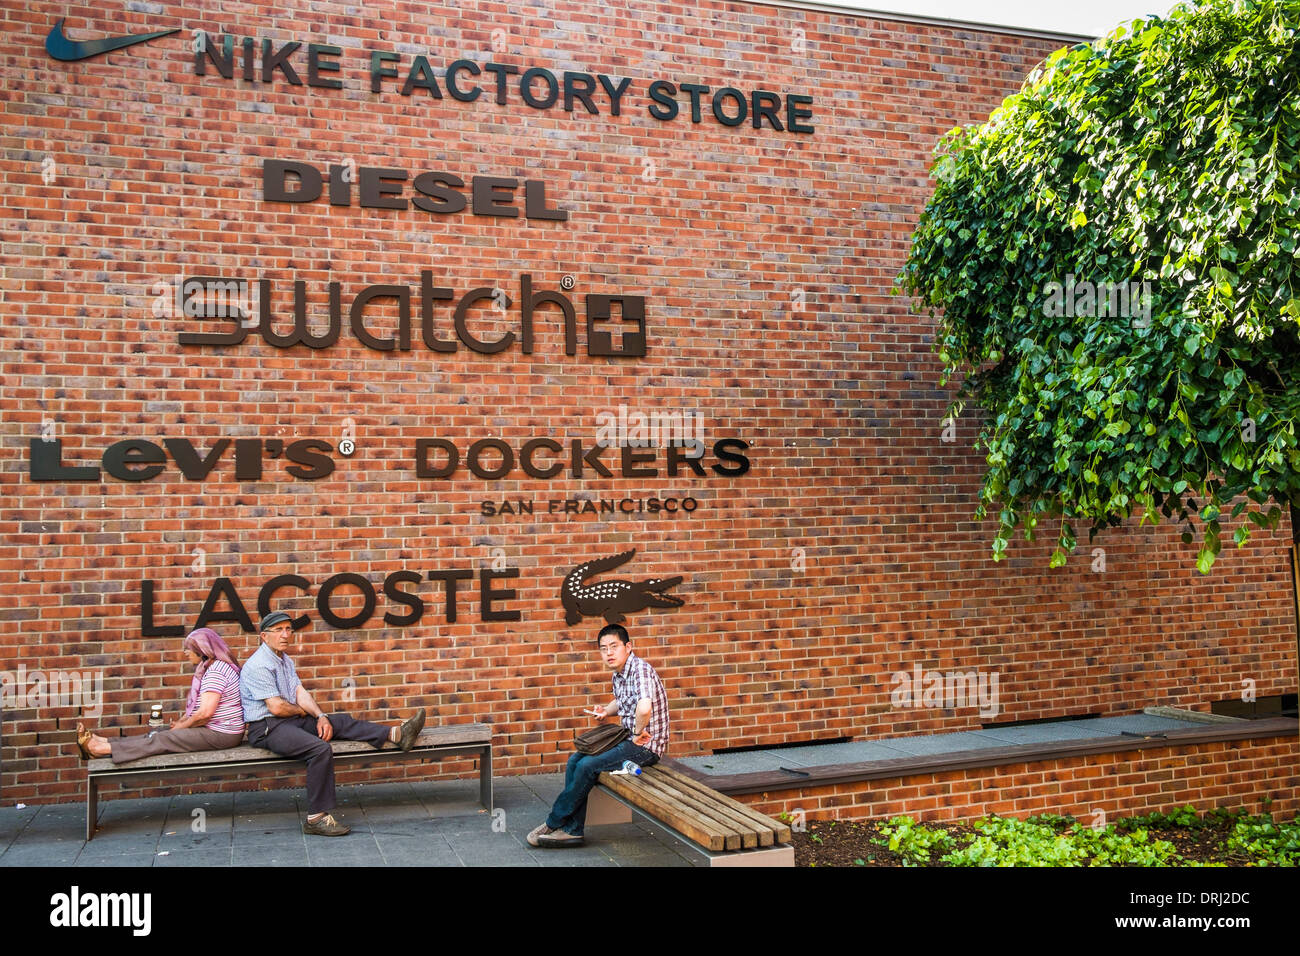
column 631, row 769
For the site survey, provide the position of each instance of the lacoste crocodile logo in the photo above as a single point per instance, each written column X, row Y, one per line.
column 60, row 47
column 612, row 600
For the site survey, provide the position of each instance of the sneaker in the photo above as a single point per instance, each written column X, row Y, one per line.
column 325, row 826
column 411, row 730
column 559, row 838
column 537, row 833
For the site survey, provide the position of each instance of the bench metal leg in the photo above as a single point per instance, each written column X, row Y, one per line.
column 92, row 807
column 603, row 809
column 780, row 855
column 485, row 778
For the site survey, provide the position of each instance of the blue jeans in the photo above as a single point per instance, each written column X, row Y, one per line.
column 570, row 810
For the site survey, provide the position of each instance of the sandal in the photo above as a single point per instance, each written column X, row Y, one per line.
column 83, row 738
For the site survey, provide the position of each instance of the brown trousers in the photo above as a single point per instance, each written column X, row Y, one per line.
column 183, row 741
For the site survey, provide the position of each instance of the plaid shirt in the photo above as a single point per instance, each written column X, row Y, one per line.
column 636, row 681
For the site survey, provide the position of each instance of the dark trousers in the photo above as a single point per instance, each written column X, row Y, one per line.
column 569, row 812
column 295, row 737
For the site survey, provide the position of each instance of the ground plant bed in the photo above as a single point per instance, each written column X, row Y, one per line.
column 1181, row 837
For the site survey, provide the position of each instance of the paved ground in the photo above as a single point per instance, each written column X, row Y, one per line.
column 397, row 824
column 885, row 748
column 438, row 824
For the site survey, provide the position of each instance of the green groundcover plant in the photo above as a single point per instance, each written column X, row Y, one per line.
column 1053, row 840
column 1113, row 255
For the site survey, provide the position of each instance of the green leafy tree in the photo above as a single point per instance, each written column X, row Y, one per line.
column 1114, row 256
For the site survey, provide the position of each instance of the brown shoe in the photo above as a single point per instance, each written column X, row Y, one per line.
column 411, row 729
column 537, row 833
column 559, row 838
column 83, row 738
column 325, row 826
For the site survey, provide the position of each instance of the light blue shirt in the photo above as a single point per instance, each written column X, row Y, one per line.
column 266, row 675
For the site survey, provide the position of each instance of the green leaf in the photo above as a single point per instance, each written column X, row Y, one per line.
column 1165, row 156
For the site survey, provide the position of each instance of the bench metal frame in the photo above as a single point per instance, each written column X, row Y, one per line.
column 96, row 778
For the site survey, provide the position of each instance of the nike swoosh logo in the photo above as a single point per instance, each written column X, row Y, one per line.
column 61, row 48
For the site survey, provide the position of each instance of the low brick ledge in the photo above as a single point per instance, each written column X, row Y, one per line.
column 768, row 781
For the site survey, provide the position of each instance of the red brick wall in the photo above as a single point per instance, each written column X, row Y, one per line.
column 1259, row 775
column 766, row 260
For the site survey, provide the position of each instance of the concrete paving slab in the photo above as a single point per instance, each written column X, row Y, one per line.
column 1134, row 723
column 137, row 859
column 750, row 761
column 406, row 830
column 148, row 808
column 259, row 801
column 275, row 820
column 571, row 859
column 355, row 849
column 185, row 810
column 195, row 842
column 411, row 851
column 383, row 815
column 268, row 837
column 110, row 841
column 40, row 853
column 939, row 744
column 1036, row 733
column 383, row 794
column 857, row 751
column 214, row 856
column 268, row 856
column 13, row 821
column 861, row 751
column 477, row 822
column 413, row 858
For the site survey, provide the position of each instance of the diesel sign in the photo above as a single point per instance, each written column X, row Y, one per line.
column 435, row 192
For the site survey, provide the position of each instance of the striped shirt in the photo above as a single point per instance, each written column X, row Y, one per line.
column 636, row 681
column 221, row 678
column 266, row 675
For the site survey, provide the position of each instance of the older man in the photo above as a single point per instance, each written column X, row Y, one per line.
column 641, row 706
column 283, row 717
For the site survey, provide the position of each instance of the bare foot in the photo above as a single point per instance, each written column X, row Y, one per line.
column 99, row 746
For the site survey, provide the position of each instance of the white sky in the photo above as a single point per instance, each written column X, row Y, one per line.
column 1088, row 18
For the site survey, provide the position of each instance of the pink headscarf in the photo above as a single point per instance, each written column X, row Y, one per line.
column 208, row 644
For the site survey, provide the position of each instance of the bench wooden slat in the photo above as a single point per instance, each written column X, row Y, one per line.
column 708, row 810
column 706, row 834
column 780, row 831
column 761, row 831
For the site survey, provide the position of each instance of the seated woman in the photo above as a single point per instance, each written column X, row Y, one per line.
column 214, row 714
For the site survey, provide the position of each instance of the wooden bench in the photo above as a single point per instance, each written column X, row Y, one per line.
column 433, row 742
column 724, row 830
